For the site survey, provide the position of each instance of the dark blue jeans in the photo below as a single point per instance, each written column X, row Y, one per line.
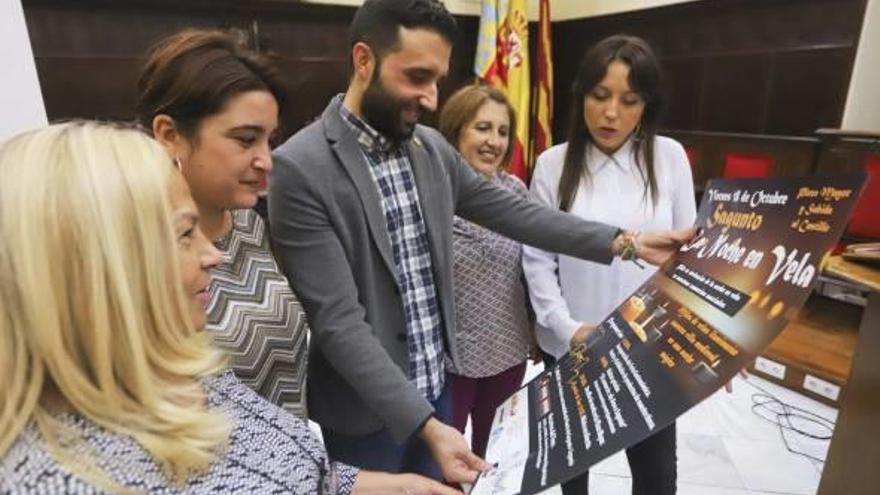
column 379, row 452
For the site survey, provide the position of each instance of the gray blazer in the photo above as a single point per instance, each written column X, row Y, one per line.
column 331, row 240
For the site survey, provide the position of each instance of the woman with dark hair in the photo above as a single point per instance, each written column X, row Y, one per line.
column 493, row 332
column 214, row 105
column 613, row 168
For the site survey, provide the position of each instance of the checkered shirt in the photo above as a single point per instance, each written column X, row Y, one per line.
column 392, row 172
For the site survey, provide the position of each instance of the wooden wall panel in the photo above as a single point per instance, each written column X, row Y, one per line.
column 684, row 80
column 807, row 91
column 851, row 466
column 88, row 56
column 843, row 152
column 792, row 156
column 735, row 89
column 89, row 87
column 310, row 51
column 88, row 53
column 311, row 84
column 757, row 66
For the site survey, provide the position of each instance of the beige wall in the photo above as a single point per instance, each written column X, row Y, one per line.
column 862, row 110
column 20, row 96
column 460, row 7
column 560, row 10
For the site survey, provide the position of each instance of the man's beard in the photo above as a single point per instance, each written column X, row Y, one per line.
column 384, row 112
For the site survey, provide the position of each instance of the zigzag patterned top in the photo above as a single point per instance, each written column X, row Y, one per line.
column 256, row 318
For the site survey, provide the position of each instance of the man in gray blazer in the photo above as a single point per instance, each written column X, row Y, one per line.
column 361, row 205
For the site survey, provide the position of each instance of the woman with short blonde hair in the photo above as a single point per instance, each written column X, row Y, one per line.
column 463, row 105
column 493, row 330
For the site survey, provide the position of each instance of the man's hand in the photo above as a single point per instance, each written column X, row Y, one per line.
column 654, row 247
column 581, row 334
column 450, row 450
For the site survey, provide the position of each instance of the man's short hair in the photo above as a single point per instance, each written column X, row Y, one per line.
column 377, row 22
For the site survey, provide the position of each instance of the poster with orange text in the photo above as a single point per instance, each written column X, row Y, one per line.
column 702, row 317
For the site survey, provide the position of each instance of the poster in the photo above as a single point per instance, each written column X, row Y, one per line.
column 681, row 336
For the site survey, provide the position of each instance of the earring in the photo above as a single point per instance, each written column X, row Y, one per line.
column 178, row 164
column 637, row 133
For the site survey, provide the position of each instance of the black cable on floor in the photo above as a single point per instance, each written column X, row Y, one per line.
column 791, row 418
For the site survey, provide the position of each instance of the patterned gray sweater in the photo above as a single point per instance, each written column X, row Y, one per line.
column 269, row 451
column 492, row 323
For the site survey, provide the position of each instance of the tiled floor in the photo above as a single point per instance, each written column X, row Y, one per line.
column 726, row 449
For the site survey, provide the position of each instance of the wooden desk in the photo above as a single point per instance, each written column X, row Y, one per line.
column 819, row 342
column 853, row 463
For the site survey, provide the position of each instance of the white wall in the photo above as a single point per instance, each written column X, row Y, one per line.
column 21, row 103
column 862, row 110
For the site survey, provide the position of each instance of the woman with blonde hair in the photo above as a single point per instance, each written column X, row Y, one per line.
column 109, row 384
column 493, row 331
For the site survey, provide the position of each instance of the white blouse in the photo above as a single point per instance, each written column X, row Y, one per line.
column 566, row 292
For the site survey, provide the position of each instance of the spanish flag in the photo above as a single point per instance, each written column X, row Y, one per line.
column 542, row 131
column 502, row 61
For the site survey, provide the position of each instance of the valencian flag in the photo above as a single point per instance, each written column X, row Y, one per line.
column 542, row 100
column 502, row 61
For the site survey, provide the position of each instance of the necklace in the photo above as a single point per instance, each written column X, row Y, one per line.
column 226, row 229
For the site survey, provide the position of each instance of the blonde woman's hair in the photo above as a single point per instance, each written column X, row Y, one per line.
column 92, row 307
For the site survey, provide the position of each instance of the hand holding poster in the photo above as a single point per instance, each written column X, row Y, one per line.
column 682, row 335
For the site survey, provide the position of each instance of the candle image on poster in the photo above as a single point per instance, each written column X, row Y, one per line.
column 702, row 317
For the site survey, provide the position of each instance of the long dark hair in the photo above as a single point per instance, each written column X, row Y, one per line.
column 644, row 79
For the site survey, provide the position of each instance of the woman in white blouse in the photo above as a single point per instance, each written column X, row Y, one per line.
column 613, row 168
